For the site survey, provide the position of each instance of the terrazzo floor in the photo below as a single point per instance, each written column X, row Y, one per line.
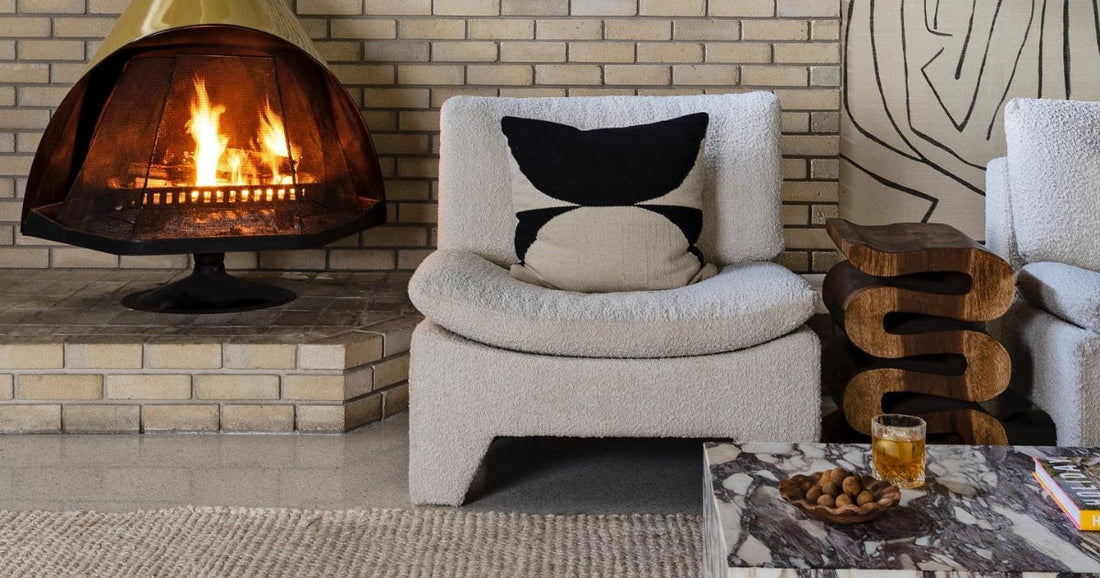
column 366, row 468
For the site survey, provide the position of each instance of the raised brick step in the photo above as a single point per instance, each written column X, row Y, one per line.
column 72, row 359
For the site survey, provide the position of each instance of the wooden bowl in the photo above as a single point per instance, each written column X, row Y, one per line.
column 885, row 494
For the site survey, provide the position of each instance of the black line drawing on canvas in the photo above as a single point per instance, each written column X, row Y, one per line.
column 923, row 90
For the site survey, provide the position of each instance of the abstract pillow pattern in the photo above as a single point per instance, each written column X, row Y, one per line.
column 610, row 209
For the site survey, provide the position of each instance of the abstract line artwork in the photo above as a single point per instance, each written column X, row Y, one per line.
column 924, row 87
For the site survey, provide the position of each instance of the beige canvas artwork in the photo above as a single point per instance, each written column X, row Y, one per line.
column 925, row 83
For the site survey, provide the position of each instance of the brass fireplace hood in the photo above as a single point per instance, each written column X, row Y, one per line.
column 146, row 17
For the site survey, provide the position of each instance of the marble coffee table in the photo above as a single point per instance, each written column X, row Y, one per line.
column 981, row 513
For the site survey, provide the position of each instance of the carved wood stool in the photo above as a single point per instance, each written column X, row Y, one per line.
column 912, row 299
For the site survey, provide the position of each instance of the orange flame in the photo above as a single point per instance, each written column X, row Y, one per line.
column 275, row 149
column 218, row 165
column 210, row 144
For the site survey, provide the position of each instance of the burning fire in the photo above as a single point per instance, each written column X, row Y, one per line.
column 269, row 161
column 274, row 140
column 209, row 142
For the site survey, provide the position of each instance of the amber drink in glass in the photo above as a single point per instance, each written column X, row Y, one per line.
column 897, row 449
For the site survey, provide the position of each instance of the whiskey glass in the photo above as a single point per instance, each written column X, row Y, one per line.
column 897, row 449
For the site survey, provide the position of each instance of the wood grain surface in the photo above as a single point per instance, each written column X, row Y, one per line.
column 911, row 298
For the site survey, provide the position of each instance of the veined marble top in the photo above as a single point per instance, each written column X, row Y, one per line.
column 980, row 512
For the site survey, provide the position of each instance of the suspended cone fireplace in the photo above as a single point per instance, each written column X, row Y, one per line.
column 204, row 127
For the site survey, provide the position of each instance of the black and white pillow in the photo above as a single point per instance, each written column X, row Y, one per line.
column 610, row 209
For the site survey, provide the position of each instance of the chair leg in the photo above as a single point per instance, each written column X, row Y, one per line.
column 442, row 464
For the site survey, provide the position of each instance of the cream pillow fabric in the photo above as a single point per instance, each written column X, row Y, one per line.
column 611, row 209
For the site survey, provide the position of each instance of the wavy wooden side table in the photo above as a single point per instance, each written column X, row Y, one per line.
column 911, row 300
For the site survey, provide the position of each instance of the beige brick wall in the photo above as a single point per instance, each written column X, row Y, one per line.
column 400, row 59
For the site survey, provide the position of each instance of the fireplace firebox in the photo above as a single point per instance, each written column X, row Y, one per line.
column 205, row 127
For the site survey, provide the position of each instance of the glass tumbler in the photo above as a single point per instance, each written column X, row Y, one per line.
column 897, row 449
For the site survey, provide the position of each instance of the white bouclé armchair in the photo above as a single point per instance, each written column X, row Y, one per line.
column 728, row 357
column 1043, row 216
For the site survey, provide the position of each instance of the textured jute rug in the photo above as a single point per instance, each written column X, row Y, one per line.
column 237, row 542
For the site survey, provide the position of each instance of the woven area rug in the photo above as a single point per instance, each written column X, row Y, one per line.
column 237, row 542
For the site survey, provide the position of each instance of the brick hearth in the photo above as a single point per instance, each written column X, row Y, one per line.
column 73, row 360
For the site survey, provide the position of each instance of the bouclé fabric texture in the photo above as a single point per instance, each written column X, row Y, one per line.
column 1054, row 168
column 1029, row 219
column 1056, row 365
column 608, row 209
column 742, row 306
column 618, row 376
column 1000, row 231
column 1071, row 293
column 741, row 178
column 463, row 394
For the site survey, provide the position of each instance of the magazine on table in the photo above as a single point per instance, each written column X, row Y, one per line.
column 1074, row 483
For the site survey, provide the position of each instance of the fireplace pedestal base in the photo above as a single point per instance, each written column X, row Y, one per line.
column 209, row 289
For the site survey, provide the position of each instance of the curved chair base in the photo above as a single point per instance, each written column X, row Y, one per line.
column 464, row 393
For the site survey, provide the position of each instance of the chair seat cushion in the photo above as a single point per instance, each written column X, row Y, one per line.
column 1067, row 292
column 744, row 305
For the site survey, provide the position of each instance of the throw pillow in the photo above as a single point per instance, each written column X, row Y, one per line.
column 610, row 209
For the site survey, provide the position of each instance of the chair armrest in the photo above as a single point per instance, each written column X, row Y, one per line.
column 1065, row 291
column 447, row 273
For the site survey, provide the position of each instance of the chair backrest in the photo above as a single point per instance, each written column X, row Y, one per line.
column 1054, row 179
column 743, row 167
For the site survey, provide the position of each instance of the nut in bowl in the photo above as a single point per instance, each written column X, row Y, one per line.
column 839, row 496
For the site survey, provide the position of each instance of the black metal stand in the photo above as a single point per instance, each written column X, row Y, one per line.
column 209, row 289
